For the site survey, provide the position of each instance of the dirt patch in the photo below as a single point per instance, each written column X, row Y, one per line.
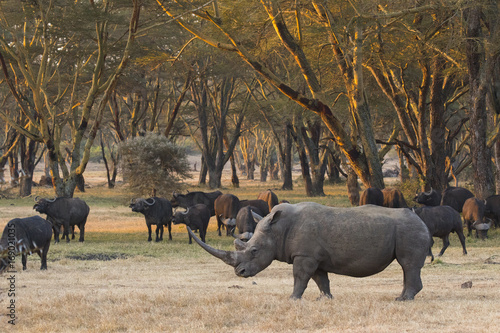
column 99, row 256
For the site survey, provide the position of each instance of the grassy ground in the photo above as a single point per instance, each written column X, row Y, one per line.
column 118, row 282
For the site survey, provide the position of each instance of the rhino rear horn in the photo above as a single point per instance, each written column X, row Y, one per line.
column 229, row 257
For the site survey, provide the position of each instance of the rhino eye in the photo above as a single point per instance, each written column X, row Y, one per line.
column 254, row 252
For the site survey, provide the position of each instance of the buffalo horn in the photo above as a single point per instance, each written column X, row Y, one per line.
column 256, row 217
column 37, row 198
column 187, row 210
column 150, row 204
column 52, row 199
column 227, row 256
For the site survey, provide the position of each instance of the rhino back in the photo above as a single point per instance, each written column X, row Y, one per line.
column 357, row 241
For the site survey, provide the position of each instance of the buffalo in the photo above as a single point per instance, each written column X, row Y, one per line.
column 452, row 196
column 226, row 209
column 473, row 213
column 372, row 196
column 441, row 221
column 431, row 198
column 317, row 239
column 66, row 212
column 393, row 198
column 193, row 198
column 455, row 197
column 157, row 211
column 25, row 236
column 270, row 197
column 492, row 209
column 259, row 206
column 196, row 217
column 246, row 221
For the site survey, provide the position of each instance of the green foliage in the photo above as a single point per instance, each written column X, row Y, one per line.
column 152, row 162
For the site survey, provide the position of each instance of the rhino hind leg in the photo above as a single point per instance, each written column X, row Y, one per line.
column 323, row 283
column 412, row 282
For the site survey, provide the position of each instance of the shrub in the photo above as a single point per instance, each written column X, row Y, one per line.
column 153, row 164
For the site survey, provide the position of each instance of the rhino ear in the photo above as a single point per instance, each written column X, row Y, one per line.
column 276, row 217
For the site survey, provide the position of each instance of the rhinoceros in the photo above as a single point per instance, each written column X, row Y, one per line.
column 317, row 240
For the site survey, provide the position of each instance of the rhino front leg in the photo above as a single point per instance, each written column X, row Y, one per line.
column 303, row 270
column 321, row 279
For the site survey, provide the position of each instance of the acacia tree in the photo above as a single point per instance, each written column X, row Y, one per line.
column 42, row 52
column 363, row 157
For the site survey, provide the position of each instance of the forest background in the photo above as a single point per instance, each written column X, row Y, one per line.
column 335, row 85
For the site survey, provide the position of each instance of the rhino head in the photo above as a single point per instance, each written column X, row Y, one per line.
column 250, row 257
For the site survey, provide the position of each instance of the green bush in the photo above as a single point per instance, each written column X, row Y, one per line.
column 153, row 163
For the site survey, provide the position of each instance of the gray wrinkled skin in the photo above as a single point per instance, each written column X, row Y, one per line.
column 318, row 240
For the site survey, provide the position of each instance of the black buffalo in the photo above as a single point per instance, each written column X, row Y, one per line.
column 393, row 198
column 246, row 222
column 455, row 197
column 157, row 211
column 193, row 198
column 66, row 212
column 25, row 236
column 441, row 221
column 431, row 198
column 492, row 209
column 195, row 217
column 270, row 197
column 473, row 213
column 372, row 196
column 452, row 196
column 226, row 209
column 260, row 206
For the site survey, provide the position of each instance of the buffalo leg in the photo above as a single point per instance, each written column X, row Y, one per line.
column 321, row 279
column 169, row 226
column 461, row 237
column 24, row 259
column 56, row 230
column 81, row 226
column 430, row 250
column 43, row 255
column 203, row 233
column 149, row 233
column 219, row 224
column 303, row 269
column 158, row 228
column 446, row 243
column 73, row 232
column 66, row 231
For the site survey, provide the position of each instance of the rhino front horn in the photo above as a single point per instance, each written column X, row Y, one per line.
column 228, row 257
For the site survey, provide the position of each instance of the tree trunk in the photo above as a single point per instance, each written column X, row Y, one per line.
column 483, row 177
column 287, row 160
column 352, row 187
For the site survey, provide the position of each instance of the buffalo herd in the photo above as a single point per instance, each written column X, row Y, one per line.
column 253, row 223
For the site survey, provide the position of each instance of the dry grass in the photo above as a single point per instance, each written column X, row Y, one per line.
column 118, row 282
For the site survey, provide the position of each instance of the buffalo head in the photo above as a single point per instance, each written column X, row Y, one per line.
column 250, row 257
column 141, row 205
column 42, row 205
column 431, row 198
